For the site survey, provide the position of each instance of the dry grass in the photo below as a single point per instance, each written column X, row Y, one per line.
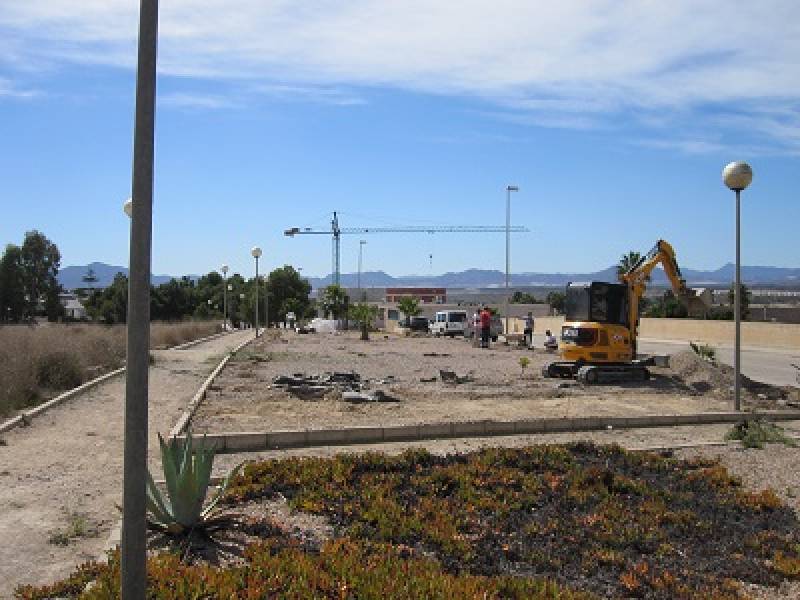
column 37, row 362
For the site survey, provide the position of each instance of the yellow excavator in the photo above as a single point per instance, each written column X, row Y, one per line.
column 598, row 338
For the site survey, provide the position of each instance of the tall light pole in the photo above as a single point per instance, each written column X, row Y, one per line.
column 360, row 249
column 737, row 176
column 509, row 189
column 224, row 269
column 256, row 253
column 133, row 579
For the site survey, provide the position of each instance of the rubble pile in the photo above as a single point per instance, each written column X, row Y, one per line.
column 350, row 387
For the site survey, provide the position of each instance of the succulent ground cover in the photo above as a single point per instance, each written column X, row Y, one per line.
column 597, row 518
column 558, row 521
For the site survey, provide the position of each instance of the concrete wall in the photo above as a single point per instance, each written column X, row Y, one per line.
column 758, row 335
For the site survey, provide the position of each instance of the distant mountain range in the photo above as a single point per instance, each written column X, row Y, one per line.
column 71, row 277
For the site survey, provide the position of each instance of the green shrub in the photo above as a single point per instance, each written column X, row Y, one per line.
column 704, row 351
column 756, row 432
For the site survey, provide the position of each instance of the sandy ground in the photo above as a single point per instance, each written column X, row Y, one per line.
column 243, row 398
column 64, row 472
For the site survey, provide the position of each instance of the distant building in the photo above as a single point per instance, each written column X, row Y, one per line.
column 424, row 295
column 73, row 309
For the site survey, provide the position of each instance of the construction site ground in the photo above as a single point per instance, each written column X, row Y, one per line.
column 65, row 468
column 407, row 370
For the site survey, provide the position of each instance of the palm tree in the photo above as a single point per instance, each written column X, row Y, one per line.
column 626, row 262
column 364, row 314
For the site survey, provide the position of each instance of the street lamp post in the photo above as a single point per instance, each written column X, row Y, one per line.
column 360, row 252
column 224, row 270
column 737, row 176
column 509, row 189
column 256, row 253
column 133, row 573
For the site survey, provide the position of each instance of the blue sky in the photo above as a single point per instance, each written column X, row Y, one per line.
column 615, row 120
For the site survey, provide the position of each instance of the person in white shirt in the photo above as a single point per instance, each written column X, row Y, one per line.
column 550, row 342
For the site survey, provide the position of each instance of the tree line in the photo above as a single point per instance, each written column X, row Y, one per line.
column 29, row 288
column 281, row 291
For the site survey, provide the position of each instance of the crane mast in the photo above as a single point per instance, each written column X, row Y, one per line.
column 336, row 233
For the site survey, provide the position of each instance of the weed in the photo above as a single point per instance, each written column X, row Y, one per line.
column 524, row 361
column 704, row 351
column 77, row 527
column 754, row 433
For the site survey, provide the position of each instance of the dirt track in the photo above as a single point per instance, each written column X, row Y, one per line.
column 65, row 470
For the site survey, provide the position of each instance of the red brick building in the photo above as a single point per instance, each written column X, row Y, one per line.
column 426, row 295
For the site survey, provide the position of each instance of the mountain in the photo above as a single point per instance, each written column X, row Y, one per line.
column 71, row 277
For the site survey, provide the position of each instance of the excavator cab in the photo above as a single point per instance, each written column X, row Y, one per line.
column 597, row 301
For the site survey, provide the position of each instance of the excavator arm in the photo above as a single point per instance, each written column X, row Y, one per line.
column 639, row 274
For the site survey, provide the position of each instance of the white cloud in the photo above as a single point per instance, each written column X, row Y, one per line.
column 568, row 63
column 317, row 94
column 9, row 90
column 198, row 101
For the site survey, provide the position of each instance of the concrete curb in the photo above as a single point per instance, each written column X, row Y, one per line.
column 27, row 415
column 198, row 341
column 228, row 443
column 186, row 415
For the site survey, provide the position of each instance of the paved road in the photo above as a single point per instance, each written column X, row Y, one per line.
column 762, row 364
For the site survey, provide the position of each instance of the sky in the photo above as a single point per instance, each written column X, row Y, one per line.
column 615, row 120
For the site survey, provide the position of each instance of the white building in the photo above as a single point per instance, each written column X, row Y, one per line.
column 73, row 309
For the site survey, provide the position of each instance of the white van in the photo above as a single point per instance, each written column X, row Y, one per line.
column 449, row 322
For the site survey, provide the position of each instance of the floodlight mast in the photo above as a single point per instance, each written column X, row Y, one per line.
column 337, row 232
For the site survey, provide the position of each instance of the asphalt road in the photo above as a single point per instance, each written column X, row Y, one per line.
column 762, row 364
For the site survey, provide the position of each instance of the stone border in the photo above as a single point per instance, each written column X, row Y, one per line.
column 27, row 415
column 229, row 443
column 186, row 345
column 188, row 412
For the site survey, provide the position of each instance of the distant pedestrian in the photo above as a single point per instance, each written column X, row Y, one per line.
column 550, row 342
column 529, row 330
column 486, row 326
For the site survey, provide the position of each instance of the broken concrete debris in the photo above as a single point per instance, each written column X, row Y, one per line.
column 360, row 397
column 451, row 377
column 349, row 385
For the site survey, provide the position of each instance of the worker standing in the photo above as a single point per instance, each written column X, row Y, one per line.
column 486, row 325
column 529, row 330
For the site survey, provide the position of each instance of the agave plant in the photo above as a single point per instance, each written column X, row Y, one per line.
column 187, row 473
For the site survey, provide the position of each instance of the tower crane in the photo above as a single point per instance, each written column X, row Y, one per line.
column 337, row 232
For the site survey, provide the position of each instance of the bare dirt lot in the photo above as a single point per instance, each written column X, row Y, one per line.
column 407, row 370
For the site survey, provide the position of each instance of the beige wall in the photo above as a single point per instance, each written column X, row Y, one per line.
column 765, row 335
